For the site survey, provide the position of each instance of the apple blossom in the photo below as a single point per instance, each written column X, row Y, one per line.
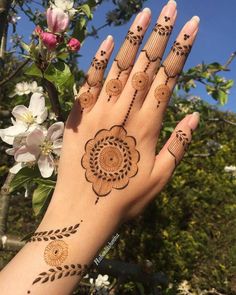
column 41, row 146
column 66, row 5
column 25, row 119
column 23, row 88
column 73, row 45
column 50, row 40
column 57, row 20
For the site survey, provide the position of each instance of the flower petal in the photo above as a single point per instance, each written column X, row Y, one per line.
column 20, row 112
column 16, row 168
column 57, row 145
column 55, row 131
column 37, row 104
column 23, row 154
column 46, row 165
column 42, row 117
column 35, row 138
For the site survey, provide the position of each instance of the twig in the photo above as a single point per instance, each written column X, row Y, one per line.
column 222, row 120
column 4, row 203
column 53, row 96
column 231, row 58
column 20, row 67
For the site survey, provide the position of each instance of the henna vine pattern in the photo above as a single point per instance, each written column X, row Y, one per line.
column 110, row 160
column 124, row 61
column 56, row 253
column 178, row 146
column 162, row 94
column 174, row 63
column 54, row 234
column 60, row 272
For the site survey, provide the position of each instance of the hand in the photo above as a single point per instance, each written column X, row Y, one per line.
column 108, row 156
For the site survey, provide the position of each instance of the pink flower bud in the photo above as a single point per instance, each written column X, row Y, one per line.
column 38, row 31
column 73, row 44
column 57, row 19
column 49, row 40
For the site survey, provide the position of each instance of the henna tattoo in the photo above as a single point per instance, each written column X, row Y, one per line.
column 60, row 272
column 174, row 62
column 178, row 146
column 140, row 81
column 55, row 234
column 56, row 253
column 110, row 160
column 162, row 94
column 124, row 61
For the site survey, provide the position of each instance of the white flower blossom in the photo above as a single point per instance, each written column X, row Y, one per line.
column 14, row 18
column 25, row 119
column 23, row 88
column 184, row 288
column 101, row 284
column 41, row 146
column 66, row 5
column 230, row 169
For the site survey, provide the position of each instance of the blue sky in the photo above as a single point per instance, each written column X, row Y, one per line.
column 215, row 42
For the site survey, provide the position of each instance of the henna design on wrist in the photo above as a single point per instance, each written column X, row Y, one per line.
column 124, row 61
column 56, row 253
column 175, row 61
column 110, row 160
column 60, row 272
column 178, row 146
column 94, row 79
column 55, row 234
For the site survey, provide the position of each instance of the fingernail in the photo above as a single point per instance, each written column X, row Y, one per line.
column 170, row 9
column 107, row 43
column 144, row 17
column 192, row 25
column 194, row 120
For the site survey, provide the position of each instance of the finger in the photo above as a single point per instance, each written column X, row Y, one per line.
column 89, row 92
column 174, row 149
column 149, row 60
column 160, row 92
column 125, row 58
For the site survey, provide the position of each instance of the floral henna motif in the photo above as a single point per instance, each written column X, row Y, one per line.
column 162, row 94
column 140, row 81
column 114, row 87
column 56, row 253
column 87, row 100
column 110, row 160
column 178, row 146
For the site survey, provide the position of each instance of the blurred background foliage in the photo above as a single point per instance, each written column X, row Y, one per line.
column 189, row 232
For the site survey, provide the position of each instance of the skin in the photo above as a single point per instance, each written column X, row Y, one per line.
column 74, row 199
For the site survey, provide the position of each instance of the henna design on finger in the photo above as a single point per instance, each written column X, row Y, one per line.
column 55, row 234
column 178, row 146
column 110, row 160
column 94, row 79
column 162, row 94
column 124, row 61
column 56, row 253
column 60, row 272
column 174, row 63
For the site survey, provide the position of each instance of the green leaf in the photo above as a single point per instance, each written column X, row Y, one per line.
column 59, row 74
column 40, row 196
column 25, row 46
column 86, row 10
column 24, row 176
column 33, row 70
column 46, row 182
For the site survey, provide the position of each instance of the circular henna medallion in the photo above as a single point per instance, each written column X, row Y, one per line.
column 162, row 92
column 55, row 253
column 86, row 100
column 114, row 87
column 140, row 80
column 110, row 160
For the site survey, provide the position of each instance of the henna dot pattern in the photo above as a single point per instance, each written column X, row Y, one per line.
column 86, row 100
column 110, row 160
column 114, row 87
column 162, row 94
column 140, row 81
column 56, row 253
column 178, row 146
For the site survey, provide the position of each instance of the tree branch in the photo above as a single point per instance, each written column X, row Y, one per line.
column 4, row 203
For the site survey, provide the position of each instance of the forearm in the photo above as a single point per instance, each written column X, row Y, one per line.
column 77, row 241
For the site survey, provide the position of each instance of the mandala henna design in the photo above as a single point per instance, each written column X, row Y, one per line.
column 140, row 81
column 174, row 62
column 114, row 87
column 162, row 94
column 60, row 272
column 86, row 99
column 110, row 160
column 56, row 253
column 55, row 234
column 178, row 146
